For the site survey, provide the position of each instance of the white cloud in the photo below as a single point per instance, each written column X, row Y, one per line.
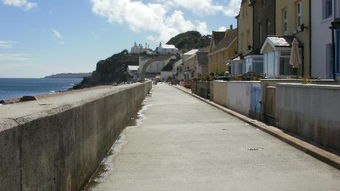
column 222, row 28
column 205, row 7
column 57, row 35
column 147, row 17
column 20, row 3
column 7, row 44
column 14, row 57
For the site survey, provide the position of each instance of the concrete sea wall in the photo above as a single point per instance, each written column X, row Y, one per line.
column 311, row 111
column 57, row 143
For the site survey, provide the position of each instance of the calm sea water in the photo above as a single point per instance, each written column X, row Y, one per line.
column 18, row 87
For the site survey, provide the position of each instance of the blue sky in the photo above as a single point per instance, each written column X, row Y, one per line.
column 42, row 37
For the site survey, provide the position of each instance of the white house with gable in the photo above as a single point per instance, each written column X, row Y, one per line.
column 167, row 49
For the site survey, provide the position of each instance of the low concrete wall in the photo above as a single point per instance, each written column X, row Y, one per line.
column 239, row 96
column 310, row 111
column 57, row 143
column 220, row 92
column 201, row 88
column 234, row 95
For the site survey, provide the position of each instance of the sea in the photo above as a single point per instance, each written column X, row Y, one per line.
column 18, row 87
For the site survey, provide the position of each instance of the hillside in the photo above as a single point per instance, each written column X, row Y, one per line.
column 111, row 70
column 190, row 40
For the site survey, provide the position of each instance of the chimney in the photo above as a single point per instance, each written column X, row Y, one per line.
column 231, row 26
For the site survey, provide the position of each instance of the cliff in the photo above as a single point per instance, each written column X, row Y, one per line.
column 111, row 70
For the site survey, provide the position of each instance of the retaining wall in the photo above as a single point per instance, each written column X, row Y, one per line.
column 56, row 144
column 220, row 93
column 234, row 95
column 310, row 111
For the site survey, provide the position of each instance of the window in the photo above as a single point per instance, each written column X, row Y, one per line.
column 299, row 13
column 285, row 21
column 260, row 33
column 285, row 68
column 327, row 9
column 269, row 60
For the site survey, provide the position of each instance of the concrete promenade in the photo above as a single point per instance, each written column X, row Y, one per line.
column 185, row 144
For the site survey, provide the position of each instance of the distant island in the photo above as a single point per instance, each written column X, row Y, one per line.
column 70, row 75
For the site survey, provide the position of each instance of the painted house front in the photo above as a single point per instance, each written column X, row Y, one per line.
column 223, row 47
column 262, row 24
column 293, row 19
column 264, row 14
column 245, row 28
column 336, row 25
column 321, row 38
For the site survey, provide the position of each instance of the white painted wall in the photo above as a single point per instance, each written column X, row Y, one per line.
column 321, row 36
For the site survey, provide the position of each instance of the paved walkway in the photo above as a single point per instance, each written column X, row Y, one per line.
column 187, row 145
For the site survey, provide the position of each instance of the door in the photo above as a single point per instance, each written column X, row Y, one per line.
column 255, row 102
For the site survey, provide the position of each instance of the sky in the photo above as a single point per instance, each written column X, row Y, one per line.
column 43, row 37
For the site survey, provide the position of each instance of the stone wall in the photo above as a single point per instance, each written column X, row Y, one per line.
column 58, row 143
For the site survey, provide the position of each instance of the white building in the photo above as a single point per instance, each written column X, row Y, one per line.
column 138, row 49
column 167, row 49
column 190, row 64
column 133, row 71
column 321, row 42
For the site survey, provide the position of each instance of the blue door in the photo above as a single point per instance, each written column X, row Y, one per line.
column 255, row 102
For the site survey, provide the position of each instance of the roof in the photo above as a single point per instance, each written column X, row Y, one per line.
column 191, row 52
column 133, row 68
column 217, row 36
column 280, row 41
column 168, row 46
column 178, row 63
column 229, row 37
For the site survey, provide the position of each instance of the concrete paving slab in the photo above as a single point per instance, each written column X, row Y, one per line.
column 186, row 144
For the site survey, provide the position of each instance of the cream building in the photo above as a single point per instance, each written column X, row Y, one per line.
column 293, row 19
column 223, row 47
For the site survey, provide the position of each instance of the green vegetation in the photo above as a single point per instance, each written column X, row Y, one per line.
column 190, row 40
column 111, row 70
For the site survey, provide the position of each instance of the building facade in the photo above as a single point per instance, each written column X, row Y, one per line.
column 336, row 30
column 264, row 14
column 167, row 49
column 293, row 19
column 245, row 28
column 321, row 38
column 223, row 47
column 259, row 21
column 190, row 64
column 139, row 49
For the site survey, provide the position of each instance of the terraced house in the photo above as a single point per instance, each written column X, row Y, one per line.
column 292, row 23
column 222, row 48
column 245, row 38
column 257, row 17
column 321, row 39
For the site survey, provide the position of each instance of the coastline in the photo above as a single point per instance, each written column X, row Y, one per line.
column 12, row 89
